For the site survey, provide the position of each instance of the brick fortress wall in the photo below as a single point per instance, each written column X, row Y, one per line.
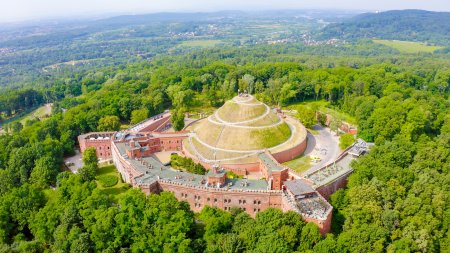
column 101, row 141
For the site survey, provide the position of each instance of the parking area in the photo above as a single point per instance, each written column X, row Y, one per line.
column 74, row 162
column 322, row 148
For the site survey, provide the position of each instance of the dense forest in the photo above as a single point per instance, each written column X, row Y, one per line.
column 397, row 199
column 408, row 25
column 31, row 53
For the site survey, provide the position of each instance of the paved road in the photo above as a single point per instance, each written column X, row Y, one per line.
column 325, row 145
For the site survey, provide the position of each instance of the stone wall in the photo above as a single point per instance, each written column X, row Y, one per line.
column 125, row 169
column 289, row 154
column 156, row 124
column 327, row 190
column 172, row 143
column 324, row 225
column 198, row 197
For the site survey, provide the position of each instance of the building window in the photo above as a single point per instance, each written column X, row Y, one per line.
column 215, row 200
column 208, row 199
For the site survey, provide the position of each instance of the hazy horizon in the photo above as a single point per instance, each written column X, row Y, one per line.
column 26, row 10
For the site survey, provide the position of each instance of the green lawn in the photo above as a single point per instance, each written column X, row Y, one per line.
column 299, row 164
column 200, row 43
column 408, row 47
column 117, row 189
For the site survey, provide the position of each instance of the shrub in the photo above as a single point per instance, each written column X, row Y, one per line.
column 186, row 164
column 346, row 140
column 107, row 180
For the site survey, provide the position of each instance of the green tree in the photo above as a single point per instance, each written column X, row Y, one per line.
column 247, row 83
column 230, row 243
column 138, row 115
column 87, row 172
column 310, row 236
column 16, row 126
column 335, row 124
column 346, row 140
column 44, row 172
column 90, row 156
column 109, row 123
column 177, row 119
column 306, row 115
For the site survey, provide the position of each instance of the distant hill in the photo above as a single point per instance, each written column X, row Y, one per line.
column 408, row 25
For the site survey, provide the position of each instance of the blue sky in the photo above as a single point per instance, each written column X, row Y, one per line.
column 19, row 10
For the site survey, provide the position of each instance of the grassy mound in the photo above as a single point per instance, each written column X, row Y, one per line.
column 107, row 180
column 247, row 137
column 251, row 139
column 118, row 188
column 233, row 112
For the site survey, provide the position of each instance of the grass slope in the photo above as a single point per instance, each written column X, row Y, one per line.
column 233, row 112
column 39, row 112
column 323, row 106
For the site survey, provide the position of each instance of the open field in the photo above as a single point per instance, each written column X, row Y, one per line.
column 200, row 43
column 36, row 113
column 117, row 189
column 39, row 112
column 408, row 47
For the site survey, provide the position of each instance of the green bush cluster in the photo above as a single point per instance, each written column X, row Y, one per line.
column 346, row 140
column 107, row 180
column 231, row 175
column 186, row 164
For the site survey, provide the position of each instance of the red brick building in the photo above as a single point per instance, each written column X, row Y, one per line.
column 101, row 141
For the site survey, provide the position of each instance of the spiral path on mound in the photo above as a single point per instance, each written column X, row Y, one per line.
column 220, row 139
